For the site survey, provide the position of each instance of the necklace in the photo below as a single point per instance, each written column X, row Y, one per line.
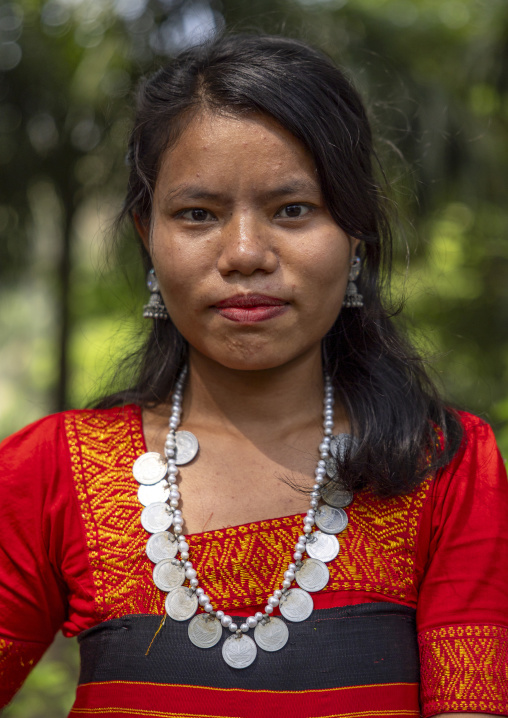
column 159, row 493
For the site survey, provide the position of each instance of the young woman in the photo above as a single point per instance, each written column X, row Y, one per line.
column 281, row 516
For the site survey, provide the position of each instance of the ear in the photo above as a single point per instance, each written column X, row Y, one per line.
column 353, row 243
column 143, row 229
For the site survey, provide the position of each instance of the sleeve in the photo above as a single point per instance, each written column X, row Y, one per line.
column 38, row 550
column 462, row 611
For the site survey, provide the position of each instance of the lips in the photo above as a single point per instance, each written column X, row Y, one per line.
column 249, row 308
column 250, row 300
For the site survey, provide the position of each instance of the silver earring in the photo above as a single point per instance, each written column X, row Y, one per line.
column 155, row 308
column 353, row 299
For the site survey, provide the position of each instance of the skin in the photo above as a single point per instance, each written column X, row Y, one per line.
column 239, row 175
column 238, row 209
column 225, row 221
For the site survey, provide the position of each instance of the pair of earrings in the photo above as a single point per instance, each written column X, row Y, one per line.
column 353, row 299
column 155, row 308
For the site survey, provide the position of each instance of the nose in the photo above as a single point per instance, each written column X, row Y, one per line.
column 247, row 246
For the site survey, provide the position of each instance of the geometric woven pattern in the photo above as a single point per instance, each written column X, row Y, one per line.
column 103, row 447
column 238, row 566
column 464, row 668
column 242, row 565
column 378, row 547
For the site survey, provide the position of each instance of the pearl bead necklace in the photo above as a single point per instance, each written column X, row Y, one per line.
column 271, row 633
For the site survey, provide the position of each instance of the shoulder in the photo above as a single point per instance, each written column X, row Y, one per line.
column 478, row 451
column 474, row 482
column 44, row 443
column 474, row 425
column 471, row 489
column 33, row 443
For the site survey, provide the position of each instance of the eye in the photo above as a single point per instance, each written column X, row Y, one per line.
column 290, row 211
column 196, row 215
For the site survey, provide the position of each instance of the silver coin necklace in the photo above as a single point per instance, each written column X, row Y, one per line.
column 159, row 494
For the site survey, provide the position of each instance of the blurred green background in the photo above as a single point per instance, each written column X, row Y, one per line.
column 434, row 76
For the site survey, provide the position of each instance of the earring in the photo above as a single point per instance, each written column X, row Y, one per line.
column 155, row 308
column 353, row 299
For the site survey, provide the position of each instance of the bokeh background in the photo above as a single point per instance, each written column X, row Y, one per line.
column 434, row 75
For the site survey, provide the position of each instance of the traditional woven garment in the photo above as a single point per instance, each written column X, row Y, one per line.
column 414, row 619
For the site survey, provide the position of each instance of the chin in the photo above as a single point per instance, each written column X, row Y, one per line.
column 253, row 355
column 240, row 359
column 251, row 363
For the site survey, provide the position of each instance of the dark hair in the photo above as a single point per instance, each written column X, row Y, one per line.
column 405, row 430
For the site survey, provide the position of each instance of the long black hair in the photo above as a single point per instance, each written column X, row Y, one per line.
column 403, row 427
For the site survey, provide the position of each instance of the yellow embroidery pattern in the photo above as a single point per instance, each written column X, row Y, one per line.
column 103, row 446
column 464, row 669
column 237, row 566
column 378, row 548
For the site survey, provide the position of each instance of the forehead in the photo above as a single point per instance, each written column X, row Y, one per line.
column 241, row 146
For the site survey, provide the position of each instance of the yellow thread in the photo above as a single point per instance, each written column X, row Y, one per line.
column 358, row 714
column 15, row 655
column 150, row 714
column 155, row 635
column 247, row 690
column 464, row 666
column 165, row 714
column 238, row 566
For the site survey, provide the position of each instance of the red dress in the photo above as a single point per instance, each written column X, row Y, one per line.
column 414, row 619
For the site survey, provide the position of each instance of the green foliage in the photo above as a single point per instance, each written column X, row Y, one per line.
column 435, row 77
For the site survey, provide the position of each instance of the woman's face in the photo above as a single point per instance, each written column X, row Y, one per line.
column 252, row 267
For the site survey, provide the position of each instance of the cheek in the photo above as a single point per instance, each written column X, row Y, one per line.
column 328, row 269
column 180, row 271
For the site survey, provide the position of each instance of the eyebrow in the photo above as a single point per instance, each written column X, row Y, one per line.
column 296, row 186
column 198, row 192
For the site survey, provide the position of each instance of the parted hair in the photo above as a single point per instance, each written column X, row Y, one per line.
column 403, row 426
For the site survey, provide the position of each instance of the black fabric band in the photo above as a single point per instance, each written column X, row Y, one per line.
column 358, row 645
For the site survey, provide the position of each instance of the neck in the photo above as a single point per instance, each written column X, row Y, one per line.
column 271, row 401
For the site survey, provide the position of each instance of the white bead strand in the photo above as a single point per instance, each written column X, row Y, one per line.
column 170, row 450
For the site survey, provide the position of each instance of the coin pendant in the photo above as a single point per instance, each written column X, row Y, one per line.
column 335, row 496
column 296, row 605
column 239, row 651
column 331, row 468
column 331, row 520
column 313, row 575
column 204, row 631
column 149, row 468
column 271, row 635
column 167, row 575
column 156, row 492
column 323, row 546
column 161, row 545
column 156, row 517
column 186, row 447
column 181, row 604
